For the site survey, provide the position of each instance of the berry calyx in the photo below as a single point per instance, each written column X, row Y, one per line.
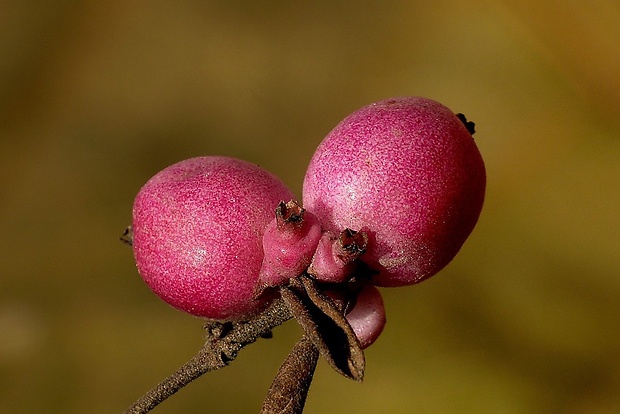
column 334, row 258
column 289, row 241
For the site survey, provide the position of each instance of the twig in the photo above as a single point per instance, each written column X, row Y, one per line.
column 224, row 341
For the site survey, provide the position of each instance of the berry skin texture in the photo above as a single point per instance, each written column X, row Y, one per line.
column 197, row 234
column 407, row 172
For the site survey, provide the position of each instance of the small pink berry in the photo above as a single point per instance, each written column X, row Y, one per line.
column 367, row 318
column 408, row 171
column 197, row 234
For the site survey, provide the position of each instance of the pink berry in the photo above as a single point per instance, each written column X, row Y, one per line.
column 367, row 318
column 407, row 171
column 197, row 234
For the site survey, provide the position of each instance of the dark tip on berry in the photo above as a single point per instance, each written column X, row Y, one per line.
column 127, row 236
column 289, row 213
column 471, row 126
column 267, row 335
column 353, row 242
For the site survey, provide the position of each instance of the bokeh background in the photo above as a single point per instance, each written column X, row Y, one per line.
column 96, row 97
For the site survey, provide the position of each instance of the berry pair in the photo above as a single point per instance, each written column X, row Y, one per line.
column 389, row 198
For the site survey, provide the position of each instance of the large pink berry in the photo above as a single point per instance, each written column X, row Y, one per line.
column 408, row 173
column 197, row 234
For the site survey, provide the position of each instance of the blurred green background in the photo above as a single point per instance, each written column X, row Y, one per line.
column 96, row 97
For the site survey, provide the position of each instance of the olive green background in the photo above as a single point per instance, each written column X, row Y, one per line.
column 96, row 97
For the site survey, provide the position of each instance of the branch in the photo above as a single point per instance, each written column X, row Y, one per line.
column 224, row 341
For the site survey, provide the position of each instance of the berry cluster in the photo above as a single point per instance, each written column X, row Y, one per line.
column 389, row 198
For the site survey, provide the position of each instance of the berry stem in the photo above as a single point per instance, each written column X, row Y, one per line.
column 224, row 341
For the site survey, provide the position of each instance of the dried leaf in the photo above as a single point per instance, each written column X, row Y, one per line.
column 325, row 325
column 289, row 389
